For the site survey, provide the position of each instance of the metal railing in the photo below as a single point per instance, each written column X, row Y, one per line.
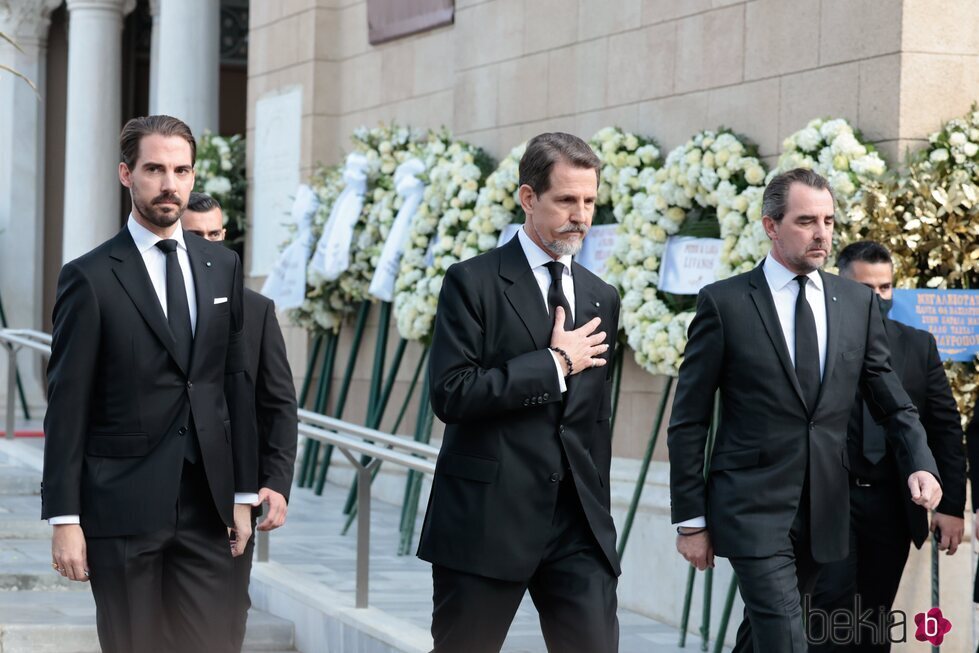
column 377, row 446
column 13, row 340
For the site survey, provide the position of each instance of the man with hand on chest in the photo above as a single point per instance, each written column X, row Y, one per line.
column 150, row 457
column 518, row 372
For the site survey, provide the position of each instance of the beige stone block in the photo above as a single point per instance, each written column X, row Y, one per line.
column 830, row 91
column 750, row 109
column 780, row 38
column 550, row 24
column 432, row 111
column 626, row 117
column 263, row 12
column 895, row 152
column 352, row 35
column 562, row 82
column 710, row 49
column 292, row 7
column 526, row 131
column 487, row 33
column 934, row 89
column 259, row 85
column 397, row 70
column 434, row 67
column 880, row 93
column 328, row 26
column 674, row 120
column 641, row 64
column 475, row 101
column 659, row 11
column 591, row 68
column 327, row 90
column 597, row 18
column 488, row 139
column 522, row 97
column 858, row 29
column 327, row 141
column 951, row 28
column 286, row 42
column 361, row 82
column 307, row 158
column 724, row 3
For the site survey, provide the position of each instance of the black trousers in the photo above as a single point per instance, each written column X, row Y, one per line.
column 171, row 590
column 880, row 540
column 573, row 589
column 240, row 599
column 772, row 589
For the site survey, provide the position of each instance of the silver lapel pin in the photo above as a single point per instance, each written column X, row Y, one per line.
column 598, row 303
column 208, row 264
column 834, row 299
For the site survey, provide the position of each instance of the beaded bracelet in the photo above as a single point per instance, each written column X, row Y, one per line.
column 567, row 359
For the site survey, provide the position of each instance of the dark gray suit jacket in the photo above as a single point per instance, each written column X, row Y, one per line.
column 494, row 384
column 768, row 441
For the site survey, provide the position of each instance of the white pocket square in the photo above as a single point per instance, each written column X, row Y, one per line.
column 220, row 300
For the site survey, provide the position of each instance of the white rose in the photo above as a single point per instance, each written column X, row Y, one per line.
column 941, row 154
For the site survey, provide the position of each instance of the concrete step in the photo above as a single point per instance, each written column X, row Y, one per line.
column 64, row 622
column 20, row 528
column 16, row 480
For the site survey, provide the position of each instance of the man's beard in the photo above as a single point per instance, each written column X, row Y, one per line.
column 560, row 247
column 157, row 217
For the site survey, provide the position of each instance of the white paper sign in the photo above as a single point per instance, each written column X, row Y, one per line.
column 508, row 233
column 689, row 264
column 411, row 190
column 596, row 248
column 275, row 174
column 286, row 283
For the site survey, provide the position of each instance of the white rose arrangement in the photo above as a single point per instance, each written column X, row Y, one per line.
column 836, row 151
column 438, row 236
column 627, row 162
column 708, row 187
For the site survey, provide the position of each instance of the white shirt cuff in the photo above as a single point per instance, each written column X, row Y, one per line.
column 251, row 498
column 560, row 371
column 64, row 519
column 696, row 522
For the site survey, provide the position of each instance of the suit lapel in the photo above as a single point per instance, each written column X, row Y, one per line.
column 523, row 293
column 895, row 341
column 131, row 272
column 202, row 287
column 832, row 331
column 761, row 295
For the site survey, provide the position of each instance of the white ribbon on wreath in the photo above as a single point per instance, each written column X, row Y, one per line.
column 411, row 190
column 286, row 283
column 332, row 256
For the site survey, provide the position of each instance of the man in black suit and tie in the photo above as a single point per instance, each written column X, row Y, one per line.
column 150, row 452
column 275, row 404
column 520, row 497
column 883, row 519
column 787, row 346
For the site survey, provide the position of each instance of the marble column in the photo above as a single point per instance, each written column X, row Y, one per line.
column 22, row 175
column 94, row 120
column 154, row 56
column 187, row 62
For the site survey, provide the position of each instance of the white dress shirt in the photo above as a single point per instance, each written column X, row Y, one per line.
column 155, row 261
column 785, row 291
column 538, row 260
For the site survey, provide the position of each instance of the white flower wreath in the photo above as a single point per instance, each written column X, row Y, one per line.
column 712, row 172
column 437, row 235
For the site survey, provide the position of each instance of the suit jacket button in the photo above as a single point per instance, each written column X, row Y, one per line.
column 812, row 425
column 190, row 385
column 546, row 396
column 182, row 430
column 526, row 402
column 555, row 477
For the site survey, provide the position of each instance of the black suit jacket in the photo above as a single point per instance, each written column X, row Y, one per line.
column 119, row 403
column 275, row 394
column 494, row 384
column 768, row 440
column 915, row 359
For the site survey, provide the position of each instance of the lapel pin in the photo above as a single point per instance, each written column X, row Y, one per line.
column 834, row 299
column 598, row 303
column 208, row 264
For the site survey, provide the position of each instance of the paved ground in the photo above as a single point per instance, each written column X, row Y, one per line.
column 311, row 544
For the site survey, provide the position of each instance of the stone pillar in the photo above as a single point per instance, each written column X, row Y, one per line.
column 22, row 175
column 94, row 120
column 188, row 62
column 154, row 54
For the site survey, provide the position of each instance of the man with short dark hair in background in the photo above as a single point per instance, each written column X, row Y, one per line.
column 883, row 518
column 150, row 453
column 786, row 346
column 520, row 496
column 275, row 402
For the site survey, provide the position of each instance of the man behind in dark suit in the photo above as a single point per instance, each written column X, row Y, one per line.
column 786, row 346
column 150, row 453
column 520, row 496
column 883, row 519
column 275, row 404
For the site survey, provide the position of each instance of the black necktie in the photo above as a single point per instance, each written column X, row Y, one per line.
column 806, row 347
column 556, row 296
column 178, row 311
column 874, row 440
